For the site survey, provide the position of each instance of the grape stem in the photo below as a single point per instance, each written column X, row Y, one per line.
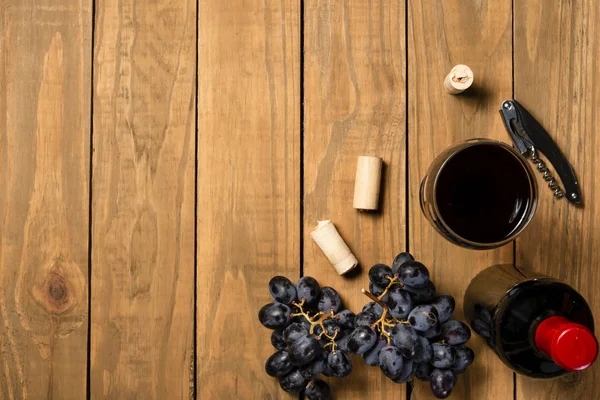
column 393, row 281
column 332, row 342
column 385, row 321
column 374, row 298
column 381, row 323
column 317, row 320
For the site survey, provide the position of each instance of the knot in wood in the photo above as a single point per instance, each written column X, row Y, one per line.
column 57, row 290
column 59, row 286
column 56, row 294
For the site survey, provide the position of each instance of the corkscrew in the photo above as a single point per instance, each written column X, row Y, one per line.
column 531, row 138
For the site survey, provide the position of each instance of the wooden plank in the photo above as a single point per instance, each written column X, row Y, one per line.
column 248, row 186
column 45, row 51
column 143, row 199
column 556, row 77
column 441, row 35
column 355, row 105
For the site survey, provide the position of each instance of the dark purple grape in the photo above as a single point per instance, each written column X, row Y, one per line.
column 293, row 382
column 346, row 319
column 318, row 390
column 304, row 350
column 391, row 361
column 408, row 370
column 277, row 340
column 339, row 364
column 455, row 332
column 341, row 341
column 329, row 300
column 361, row 339
column 423, row 371
column 331, row 326
column 444, row 304
column 376, row 290
column 423, row 318
column 464, row 358
column 275, row 315
column 442, row 382
column 406, row 339
column 443, row 355
column 327, row 371
column 301, row 320
column 365, row 318
column 293, row 332
column 312, row 369
column 282, row 289
column 279, row 364
column 308, row 288
column 371, row 356
column 413, row 273
column 380, row 274
column 373, row 308
column 399, row 260
column 423, row 351
column 399, row 302
column 422, row 295
column 432, row 333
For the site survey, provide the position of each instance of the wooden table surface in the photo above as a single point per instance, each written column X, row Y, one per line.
column 161, row 160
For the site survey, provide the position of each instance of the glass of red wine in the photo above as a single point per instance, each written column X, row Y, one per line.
column 479, row 194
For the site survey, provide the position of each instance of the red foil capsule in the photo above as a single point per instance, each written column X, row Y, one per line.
column 572, row 346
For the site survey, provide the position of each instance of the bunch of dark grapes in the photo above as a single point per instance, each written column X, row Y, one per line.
column 310, row 329
column 407, row 331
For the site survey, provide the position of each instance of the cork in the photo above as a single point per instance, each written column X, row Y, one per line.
column 366, row 183
column 326, row 236
column 459, row 79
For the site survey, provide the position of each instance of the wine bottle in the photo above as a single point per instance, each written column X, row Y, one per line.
column 538, row 326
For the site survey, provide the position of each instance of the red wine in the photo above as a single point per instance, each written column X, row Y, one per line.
column 538, row 326
column 483, row 193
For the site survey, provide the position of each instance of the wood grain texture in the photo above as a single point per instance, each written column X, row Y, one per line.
column 45, row 49
column 355, row 105
column 248, row 186
column 143, row 199
column 557, row 47
column 441, row 35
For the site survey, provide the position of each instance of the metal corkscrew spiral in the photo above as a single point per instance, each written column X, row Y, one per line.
column 541, row 166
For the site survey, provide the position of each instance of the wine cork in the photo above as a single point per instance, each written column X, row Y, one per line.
column 326, row 236
column 459, row 79
column 366, row 184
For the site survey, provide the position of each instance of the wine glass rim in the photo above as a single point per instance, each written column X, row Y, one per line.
column 532, row 197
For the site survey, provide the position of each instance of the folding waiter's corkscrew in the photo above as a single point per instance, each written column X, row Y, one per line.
column 529, row 137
